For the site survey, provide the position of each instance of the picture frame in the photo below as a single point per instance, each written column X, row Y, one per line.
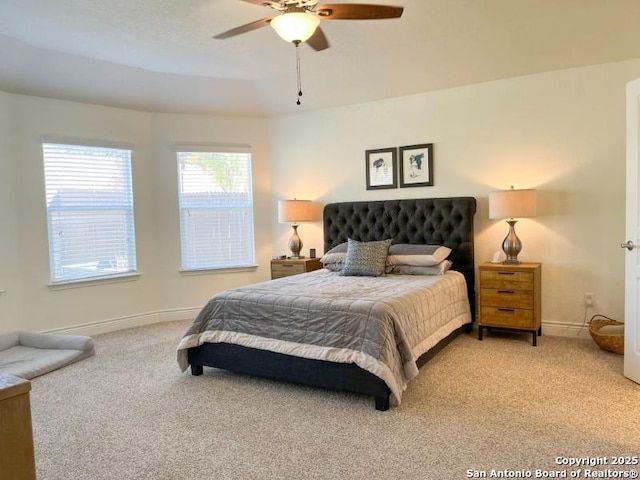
column 381, row 166
column 416, row 165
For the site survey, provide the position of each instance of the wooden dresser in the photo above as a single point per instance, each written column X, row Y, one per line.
column 16, row 435
column 293, row 266
column 510, row 298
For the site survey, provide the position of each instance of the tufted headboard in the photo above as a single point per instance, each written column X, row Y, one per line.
column 431, row 221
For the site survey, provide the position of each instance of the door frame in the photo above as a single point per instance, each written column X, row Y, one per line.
column 632, row 232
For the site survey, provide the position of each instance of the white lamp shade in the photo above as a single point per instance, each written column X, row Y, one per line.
column 296, row 211
column 295, row 26
column 512, row 204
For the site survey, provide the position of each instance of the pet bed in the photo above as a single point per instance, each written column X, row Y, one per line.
column 28, row 355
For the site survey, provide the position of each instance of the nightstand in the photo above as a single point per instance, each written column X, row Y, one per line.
column 16, row 432
column 510, row 298
column 293, row 266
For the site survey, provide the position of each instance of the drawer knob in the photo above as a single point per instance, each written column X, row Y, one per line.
column 506, row 273
column 507, row 291
column 506, row 310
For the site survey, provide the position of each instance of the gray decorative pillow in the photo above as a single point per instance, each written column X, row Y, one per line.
column 366, row 258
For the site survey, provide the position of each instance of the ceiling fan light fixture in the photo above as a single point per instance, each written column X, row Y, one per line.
column 295, row 26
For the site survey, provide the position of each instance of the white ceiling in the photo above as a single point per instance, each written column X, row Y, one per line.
column 159, row 55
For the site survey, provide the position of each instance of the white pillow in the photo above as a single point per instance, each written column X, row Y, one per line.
column 439, row 269
column 417, row 255
column 337, row 254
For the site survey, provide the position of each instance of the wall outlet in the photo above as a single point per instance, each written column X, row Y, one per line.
column 588, row 298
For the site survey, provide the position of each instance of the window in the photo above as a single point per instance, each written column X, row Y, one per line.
column 216, row 209
column 89, row 211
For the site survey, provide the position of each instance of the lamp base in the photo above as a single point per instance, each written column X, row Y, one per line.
column 295, row 243
column 511, row 245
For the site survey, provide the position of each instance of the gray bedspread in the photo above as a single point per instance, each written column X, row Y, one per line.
column 382, row 324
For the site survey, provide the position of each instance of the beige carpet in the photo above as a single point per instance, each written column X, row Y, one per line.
column 128, row 413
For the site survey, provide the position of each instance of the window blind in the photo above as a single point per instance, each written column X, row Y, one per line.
column 216, row 209
column 89, row 211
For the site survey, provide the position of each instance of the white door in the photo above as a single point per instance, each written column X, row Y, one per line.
column 632, row 260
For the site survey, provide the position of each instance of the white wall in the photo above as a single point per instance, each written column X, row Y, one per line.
column 562, row 133
column 179, row 289
column 10, row 276
column 160, row 293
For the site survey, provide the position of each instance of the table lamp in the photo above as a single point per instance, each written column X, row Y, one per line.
column 512, row 204
column 295, row 212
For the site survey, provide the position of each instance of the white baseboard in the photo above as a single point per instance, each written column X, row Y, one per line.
column 111, row 325
column 121, row 323
column 557, row 329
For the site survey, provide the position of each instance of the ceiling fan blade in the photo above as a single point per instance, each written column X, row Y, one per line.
column 357, row 11
column 256, row 2
column 318, row 41
column 243, row 28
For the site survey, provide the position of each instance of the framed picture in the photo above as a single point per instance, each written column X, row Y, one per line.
column 416, row 166
column 381, row 167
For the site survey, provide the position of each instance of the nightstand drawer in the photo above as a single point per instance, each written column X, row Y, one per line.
column 293, row 266
column 506, row 297
column 507, row 317
column 506, row 279
column 284, row 269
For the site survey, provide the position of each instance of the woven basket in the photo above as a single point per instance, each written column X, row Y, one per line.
column 610, row 342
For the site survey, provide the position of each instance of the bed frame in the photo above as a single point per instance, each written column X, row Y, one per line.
column 435, row 221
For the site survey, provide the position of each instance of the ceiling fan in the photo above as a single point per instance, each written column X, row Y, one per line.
column 299, row 20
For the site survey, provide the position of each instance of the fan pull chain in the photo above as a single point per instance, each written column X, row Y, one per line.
column 297, row 44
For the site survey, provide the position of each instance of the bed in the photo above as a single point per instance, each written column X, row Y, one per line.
column 231, row 331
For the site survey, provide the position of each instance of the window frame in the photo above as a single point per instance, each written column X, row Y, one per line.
column 127, row 200
column 249, row 262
